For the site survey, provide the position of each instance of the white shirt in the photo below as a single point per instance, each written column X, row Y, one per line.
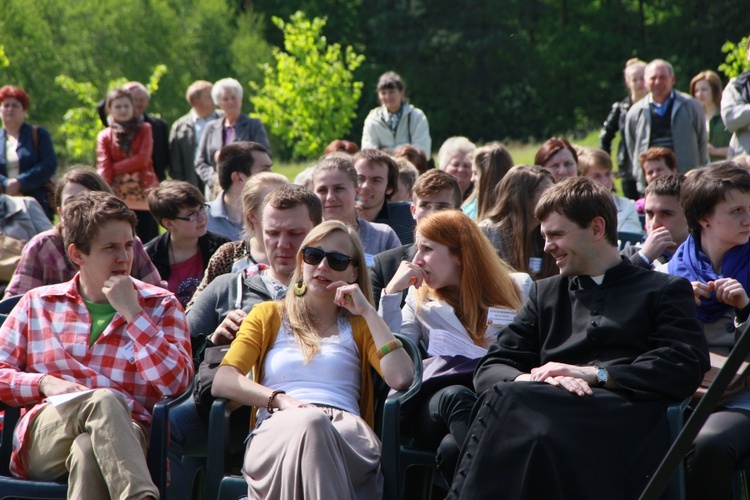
column 332, row 377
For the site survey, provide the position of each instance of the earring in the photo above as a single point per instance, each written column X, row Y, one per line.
column 300, row 288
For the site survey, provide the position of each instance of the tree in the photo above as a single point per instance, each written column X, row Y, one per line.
column 310, row 97
column 100, row 41
column 81, row 124
column 736, row 61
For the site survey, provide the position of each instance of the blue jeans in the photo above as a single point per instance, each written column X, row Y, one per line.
column 188, row 436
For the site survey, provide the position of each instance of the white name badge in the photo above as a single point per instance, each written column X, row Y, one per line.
column 369, row 259
column 500, row 316
column 129, row 351
column 535, row 264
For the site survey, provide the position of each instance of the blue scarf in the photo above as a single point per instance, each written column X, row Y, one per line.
column 691, row 263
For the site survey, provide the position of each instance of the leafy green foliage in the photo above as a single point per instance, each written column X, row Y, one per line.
column 108, row 42
column 4, row 61
column 736, row 61
column 81, row 123
column 309, row 98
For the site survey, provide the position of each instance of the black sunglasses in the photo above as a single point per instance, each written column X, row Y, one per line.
column 337, row 261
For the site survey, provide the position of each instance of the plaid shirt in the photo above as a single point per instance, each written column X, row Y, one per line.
column 45, row 262
column 48, row 333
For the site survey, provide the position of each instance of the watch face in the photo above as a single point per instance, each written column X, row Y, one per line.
column 602, row 375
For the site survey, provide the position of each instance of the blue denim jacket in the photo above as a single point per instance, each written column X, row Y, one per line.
column 36, row 166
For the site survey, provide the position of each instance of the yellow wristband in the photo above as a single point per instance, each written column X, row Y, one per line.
column 390, row 346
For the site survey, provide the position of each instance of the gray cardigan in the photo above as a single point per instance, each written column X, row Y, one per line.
column 377, row 237
column 246, row 129
column 219, row 298
column 735, row 111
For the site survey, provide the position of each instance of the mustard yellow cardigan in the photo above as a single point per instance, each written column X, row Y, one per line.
column 258, row 333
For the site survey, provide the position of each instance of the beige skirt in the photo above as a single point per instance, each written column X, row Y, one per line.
column 313, row 453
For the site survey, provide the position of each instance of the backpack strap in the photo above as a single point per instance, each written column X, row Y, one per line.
column 35, row 137
column 408, row 125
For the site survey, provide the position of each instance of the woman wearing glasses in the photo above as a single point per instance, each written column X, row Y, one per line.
column 311, row 355
column 123, row 158
column 27, row 157
column 182, row 253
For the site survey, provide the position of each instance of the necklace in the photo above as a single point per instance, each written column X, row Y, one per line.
column 335, row 322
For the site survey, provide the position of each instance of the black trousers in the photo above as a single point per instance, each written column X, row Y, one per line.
column 442, row 422
column 724, row 438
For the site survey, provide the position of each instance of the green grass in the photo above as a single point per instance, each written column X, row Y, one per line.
column 522, row 153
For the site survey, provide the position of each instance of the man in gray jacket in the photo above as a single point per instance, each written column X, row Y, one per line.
column 735, row 111
column 187, row 132
column 289, row 213
column 666, row 118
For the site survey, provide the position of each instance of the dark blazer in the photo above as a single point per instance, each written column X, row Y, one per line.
column 640, row 326
column 160, row 155
column 653, row 348
column 158, row 250
column 246, row 129
column 36, row 166
column 160, row 133
column 182, row 150
column 398, row 215
column 385, row 267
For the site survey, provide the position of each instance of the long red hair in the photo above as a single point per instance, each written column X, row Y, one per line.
column 485, row 278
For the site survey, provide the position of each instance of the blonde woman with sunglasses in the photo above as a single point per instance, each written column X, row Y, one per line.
column 311, row 355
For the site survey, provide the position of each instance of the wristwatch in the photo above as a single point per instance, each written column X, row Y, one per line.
column 602, row 375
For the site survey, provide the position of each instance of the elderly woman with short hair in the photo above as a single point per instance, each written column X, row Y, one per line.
column 455, row 157
column 236, row 126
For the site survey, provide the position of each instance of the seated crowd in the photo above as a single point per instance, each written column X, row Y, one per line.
column 511, row 280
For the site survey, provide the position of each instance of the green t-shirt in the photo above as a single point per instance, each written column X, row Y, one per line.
column 101, row 317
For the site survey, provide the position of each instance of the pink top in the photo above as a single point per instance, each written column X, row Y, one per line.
column 185, row 277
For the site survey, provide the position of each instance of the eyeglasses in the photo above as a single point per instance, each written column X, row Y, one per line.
column 337, row 261
column 203, row 210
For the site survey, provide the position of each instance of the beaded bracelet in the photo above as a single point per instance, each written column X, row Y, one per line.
column 390, row 346
column 273, row 395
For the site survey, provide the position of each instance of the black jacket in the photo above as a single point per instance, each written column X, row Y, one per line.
column 385, row 267
column 616, row 122
column 158, row 250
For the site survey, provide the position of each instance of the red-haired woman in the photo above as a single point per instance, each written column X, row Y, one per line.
column 455, row 311
column 123, row 158
column 27, row 157
column 558, row 157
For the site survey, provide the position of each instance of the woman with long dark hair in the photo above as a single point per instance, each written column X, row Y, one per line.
column 511, row 226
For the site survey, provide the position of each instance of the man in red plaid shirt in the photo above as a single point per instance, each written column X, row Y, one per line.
column 124, row 341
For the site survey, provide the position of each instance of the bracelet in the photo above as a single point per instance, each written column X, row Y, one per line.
column 273, row 395
column 390, row 346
